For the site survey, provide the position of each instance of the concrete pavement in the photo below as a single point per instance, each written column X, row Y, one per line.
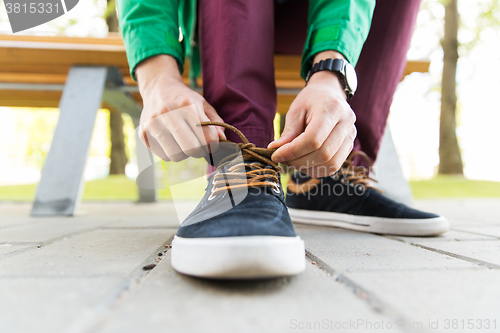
column 85, row 274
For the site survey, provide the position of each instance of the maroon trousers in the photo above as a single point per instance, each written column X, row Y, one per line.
column 238, row 39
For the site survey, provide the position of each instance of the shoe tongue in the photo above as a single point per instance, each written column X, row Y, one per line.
column 225, row 149
column 299, row 177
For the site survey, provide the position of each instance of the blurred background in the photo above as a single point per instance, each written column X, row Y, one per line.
column 423, row 129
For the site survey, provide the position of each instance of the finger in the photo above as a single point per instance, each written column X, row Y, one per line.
column 156, row 148
column 333, row 165
column 315, row 134
column 143, row 137
column 212, row 115
column 342, row 154
column 181, row 125
column 342, row 132
column 294, row 126
column 141, row 131
column 187, row 135
column 209, row 134
column 166, row 147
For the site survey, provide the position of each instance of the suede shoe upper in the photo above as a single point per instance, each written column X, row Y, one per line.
column 347, row 192
column 243, row 197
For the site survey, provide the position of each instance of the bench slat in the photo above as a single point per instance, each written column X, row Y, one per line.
column 47, row 60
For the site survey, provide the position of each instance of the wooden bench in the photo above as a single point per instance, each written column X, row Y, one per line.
column 80, row 75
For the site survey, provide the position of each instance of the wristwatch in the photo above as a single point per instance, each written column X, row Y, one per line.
column 344, row 71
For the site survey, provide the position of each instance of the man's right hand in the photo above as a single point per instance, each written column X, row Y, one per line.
column 171, row 112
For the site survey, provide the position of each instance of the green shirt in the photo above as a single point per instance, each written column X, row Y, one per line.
column 152, row 27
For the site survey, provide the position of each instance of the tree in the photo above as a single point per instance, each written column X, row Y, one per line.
column 450, row 159
column 118, row 153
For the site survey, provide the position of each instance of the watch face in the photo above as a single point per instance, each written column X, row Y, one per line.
column 351, row 78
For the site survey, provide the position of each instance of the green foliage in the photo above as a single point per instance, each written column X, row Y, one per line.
column 38, row 126
column 110, row 8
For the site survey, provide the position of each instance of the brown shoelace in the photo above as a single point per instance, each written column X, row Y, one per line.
column 235, row 175
column 357, row 175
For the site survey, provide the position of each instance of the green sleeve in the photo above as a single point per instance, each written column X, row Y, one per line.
column 150, row 27
column 338, row 25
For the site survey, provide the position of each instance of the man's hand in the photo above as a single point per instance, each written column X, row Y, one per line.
column 319, row 130
column 171, row 112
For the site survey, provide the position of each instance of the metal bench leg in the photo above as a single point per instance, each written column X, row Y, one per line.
column 61, row 184
column 145, row 164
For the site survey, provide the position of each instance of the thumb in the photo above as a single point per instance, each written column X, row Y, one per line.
column 294, row 126
column 214, row 116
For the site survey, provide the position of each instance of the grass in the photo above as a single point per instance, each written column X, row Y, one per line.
column 454, row 187
column 120, row 188
column 112, row 188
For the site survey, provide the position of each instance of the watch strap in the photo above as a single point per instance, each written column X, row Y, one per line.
column 332, row 65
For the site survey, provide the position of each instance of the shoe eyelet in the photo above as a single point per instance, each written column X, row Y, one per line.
column 276, row 188
column 212, row 196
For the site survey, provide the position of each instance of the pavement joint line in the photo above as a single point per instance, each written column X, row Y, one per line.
column 16, row 224
column 48, row 277
column 97, row 315
column 369, row 298
column 458, row 256
column 450, row 254
column 19, row 243
column 138, row 228
column 493, row 239
column 44, row 243
column 477, row 233
column 39, row 245
column 16, row 252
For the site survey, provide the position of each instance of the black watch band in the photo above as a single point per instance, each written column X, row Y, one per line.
column 344, row 70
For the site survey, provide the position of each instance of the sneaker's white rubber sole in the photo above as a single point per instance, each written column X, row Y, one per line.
column 378, row 225
column 242, row 257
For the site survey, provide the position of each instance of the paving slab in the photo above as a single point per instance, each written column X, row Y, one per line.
column 168, row 301
column 484, row 251
column 87, row 276
column 14, row 209
column 7, row 248
column 133, row 215
column 450, row 236
column 493, row 231
column 464, row 211
column 126, row 214
column 430, row 296
column 49, row 305
column 346, row 250
column 8, row 221
column 95, row 253
column 48, row 229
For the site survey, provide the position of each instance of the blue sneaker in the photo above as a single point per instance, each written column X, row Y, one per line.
column 241, row 229
column 347, row 200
